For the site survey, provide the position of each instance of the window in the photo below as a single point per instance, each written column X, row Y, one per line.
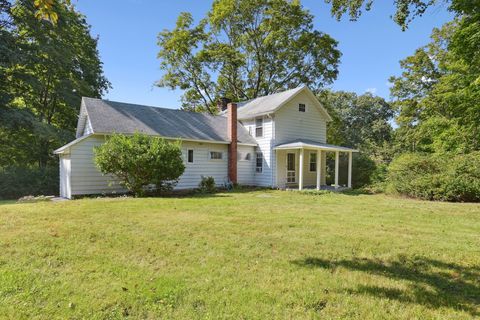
column 313, row 161
column 291, row 168
column 244, row 156
column 259, row 163
column 259, row 127
column 190, row 155
column 215, row 155
column 301, row 107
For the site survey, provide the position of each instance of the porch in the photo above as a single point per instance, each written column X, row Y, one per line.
column 302, row 164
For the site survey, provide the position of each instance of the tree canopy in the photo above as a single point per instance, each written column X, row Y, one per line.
column 45, row 69
column 406, row 10
column 359, row 121
column 244, row 49
column 438, row 91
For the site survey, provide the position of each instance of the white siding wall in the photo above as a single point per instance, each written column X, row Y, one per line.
column 85, row 177
column 246, row 168
column 265, row 144
column 65, row 173
column 88, row 127
column 290, row 124
column 202, row 165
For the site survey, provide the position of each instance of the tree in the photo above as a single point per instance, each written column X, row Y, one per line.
column 53, row 66
column 244, row 49
column 437, row 94
column 361, row 122
column 140, row 160
column 406, row 10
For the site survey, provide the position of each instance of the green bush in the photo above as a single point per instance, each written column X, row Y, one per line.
column 140, row 161
column 16, row 182
column 207, row 185
column 363, row 168
column 436, row 177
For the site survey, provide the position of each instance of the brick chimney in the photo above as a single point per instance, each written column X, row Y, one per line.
column 232, row 136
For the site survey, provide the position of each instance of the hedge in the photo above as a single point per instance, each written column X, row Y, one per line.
column 16, row 182
column 436, row 177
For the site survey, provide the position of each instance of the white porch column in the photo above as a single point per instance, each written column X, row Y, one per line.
column 349, row 169
column 337, row 161
column 300, row 171
column 319, row 166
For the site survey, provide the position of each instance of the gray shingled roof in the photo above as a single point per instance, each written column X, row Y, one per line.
column 109, row 116
column 266, row 104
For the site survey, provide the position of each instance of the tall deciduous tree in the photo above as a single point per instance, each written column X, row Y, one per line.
column 361, row 122
column 244, row 49
column 406, row 10
column 437, row 94
column 55, row 65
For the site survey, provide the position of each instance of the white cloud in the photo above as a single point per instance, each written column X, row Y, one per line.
column 371, row 90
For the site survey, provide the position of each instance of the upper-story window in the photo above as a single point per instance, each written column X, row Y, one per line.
column 259, row 127
column 301, row 107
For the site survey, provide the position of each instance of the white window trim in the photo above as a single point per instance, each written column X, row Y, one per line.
column 193, row 156
column 310, row 161
column 256, row 127
column 210, row 155
column 256, row 167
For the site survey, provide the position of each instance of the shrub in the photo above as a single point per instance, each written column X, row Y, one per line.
column 139, row 161
column 436, row 177
column 207, row 185
column 378, row 179
column 363, row 168
column 16, row 182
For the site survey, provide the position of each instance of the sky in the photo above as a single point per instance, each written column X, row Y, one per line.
column 371, row 47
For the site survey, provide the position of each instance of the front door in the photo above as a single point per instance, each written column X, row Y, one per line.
column 291, row 168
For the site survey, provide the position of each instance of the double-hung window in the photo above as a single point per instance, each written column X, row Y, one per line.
column 259, row 127
column 259, row 163
column 190, row 155
column 313, row 161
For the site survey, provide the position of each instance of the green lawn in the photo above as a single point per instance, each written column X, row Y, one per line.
column 251, row 255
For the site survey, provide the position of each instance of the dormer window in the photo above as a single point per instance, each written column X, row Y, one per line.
column 301, row 107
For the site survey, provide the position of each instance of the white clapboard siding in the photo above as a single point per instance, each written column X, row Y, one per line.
column 202, row 164
column 290, row 124
column 65, row 172
column 246, row 168
column 85, row 177
column 265, row 144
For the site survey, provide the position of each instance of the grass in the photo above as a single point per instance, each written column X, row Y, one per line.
column 245, row 255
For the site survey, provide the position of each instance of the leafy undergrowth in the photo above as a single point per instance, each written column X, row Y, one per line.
column 253, row 255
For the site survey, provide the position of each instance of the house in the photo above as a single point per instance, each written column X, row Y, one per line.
column 275, row 141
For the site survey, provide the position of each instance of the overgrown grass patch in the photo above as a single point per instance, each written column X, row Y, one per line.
column 255, row 255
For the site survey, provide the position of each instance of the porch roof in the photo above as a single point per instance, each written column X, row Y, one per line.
column 303, row 143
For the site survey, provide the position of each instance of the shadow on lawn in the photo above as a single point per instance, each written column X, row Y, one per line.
column 432, row 283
